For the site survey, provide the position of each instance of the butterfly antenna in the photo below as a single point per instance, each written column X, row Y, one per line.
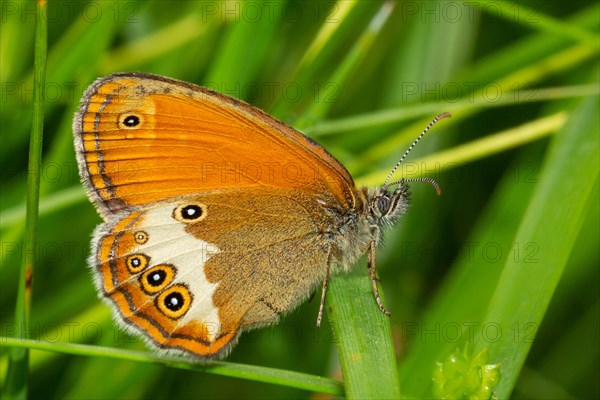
column 428, row 127
column 431, row 181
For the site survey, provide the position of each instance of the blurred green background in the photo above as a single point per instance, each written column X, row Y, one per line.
column 506, row 260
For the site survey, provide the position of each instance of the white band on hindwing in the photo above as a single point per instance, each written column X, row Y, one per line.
column 169, row 243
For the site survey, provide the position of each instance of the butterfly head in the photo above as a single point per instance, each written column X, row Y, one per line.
column 386, row 205
column 390, row 201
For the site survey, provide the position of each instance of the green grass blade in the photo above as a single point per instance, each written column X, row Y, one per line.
column 338, row 23
column 49, row 204
column 364, row 339
column 16, row 386
column 526, row 51
column 566, row 59
column 484, row 147
column 324, row 102
column 16, row 40
column 226, row 73
column 155, row 45
column 521, row 14
column 405, row 113
column 435, row 270
column 255, row 373
column 524, row 290
column 467, row 288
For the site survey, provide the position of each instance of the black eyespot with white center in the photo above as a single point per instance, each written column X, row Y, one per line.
column 136, row 262
column 174, row 301
column 130, row 121
column 157, row 278
column 190, row 212
column 140, row 237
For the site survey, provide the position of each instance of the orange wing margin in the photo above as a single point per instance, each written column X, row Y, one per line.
column 142, row 138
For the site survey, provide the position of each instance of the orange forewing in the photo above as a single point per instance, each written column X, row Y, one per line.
column 191, row 140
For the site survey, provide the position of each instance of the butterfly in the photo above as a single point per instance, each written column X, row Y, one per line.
column 218, row 218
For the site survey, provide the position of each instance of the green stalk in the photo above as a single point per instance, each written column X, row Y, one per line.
column 550, row 228
column 363, row 336
column 19, row 358
column 274, row 376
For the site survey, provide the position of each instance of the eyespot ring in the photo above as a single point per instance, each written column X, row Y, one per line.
column 157, row 278
column 137, row 262
column 190, row 213
column 140, row 237
column 130, row 120
column 174, row 302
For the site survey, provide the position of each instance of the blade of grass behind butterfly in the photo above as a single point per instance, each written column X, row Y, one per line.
column 319, row 108
column 566, row 337
column 524, row 291
column 519, row 57
column 339, row 23
column 70, row 61
column 462, row 298
column 470, row 286
column 558, row 62
column 526, row 51
column 16, row 40
column 530, row 18
column 473, row 274
column 226, row 73
column 500, row 63
column 17, row 371
column 161, row 43
column 473, row 277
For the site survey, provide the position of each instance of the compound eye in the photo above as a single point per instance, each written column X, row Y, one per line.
column 383, row 203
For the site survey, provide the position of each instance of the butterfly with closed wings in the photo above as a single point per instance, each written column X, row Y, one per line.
column 218, row 218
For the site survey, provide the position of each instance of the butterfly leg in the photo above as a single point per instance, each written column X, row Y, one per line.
column 324, row 291
column 374, row 280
